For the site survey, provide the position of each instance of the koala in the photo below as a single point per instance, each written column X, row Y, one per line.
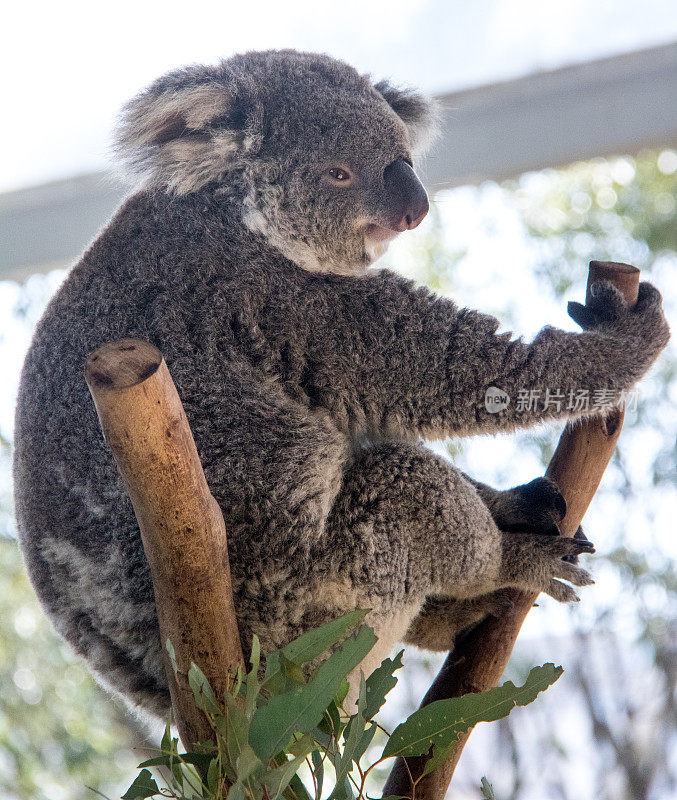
column 267, row 186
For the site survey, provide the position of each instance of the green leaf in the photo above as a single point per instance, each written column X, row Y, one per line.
column 166, row 743
column 277, row 780
column 169, row 760
column 191, row 783
column 439, row 756
column 233, row 726
column 342, row 694
column 239, row 677
column 204, row 695
column 318, row 770
column 315, row 642
column 300, row 710
column 286, row 678
column 247, row 785
column 292, row 671
column 365, row 741
column 144, row 786
column 297, row 790
column 330, row 724
column 356, row 740
column 172, row 655
column 252, row 680
column 379, row 683
column 344, row 790
column 440, row 722
column 247, row 763
column 213, row 775
column 487, row 790
column 236, row 792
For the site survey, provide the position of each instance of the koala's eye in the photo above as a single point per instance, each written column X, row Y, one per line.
column 340, row 175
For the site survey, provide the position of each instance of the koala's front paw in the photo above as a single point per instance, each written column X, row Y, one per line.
column 536, row 563
column 644, row 326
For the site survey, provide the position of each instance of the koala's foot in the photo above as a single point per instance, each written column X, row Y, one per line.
column 536, row 563
column 534, row 507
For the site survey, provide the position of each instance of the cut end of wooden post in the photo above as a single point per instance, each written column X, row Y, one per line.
column 624, row 277
column 121, row 364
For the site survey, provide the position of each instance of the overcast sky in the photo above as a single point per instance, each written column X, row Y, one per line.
column 68, row 66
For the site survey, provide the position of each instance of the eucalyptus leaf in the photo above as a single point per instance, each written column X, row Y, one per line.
column 352, row 737
column 330, row 724
column 169, row 760
column 439, row 756
column 236, row 792
column 247, row 763
column 296, row 790
column 487, row 790
column 143, row 786
column 172, row 655
column 318, row 771
column 379, row 683
column 276, row 780
column 204, row 695
column 300, row 710
column 440, row 722
column 342, row 694
column 315, row 642
column 239, row 677
column 233, row 726
column 191, row 783
column 166, row 743
column 252, row 680
column 213, row 775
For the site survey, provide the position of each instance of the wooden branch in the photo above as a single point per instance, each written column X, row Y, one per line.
column 182, row 528
column 479, row 657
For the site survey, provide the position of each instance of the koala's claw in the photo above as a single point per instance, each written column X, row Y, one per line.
column 582, row 537
column 535, row 563
column 576, row 575
column 562, row 592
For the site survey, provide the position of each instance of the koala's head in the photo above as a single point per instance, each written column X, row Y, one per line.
column 319, row 157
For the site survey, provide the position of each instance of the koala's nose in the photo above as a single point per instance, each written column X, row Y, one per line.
column 408, row 200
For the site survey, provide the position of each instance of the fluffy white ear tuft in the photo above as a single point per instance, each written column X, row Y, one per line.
column 182, row 133
column 420, row 114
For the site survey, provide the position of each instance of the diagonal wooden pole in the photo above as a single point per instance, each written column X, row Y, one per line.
column 479, row 658
column 182, row 528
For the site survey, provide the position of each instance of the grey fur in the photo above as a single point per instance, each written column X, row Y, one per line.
column 307, row 381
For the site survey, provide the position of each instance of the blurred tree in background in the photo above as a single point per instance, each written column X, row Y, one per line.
column 608, row 731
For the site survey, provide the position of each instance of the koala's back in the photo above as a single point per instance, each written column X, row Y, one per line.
column 154, row 274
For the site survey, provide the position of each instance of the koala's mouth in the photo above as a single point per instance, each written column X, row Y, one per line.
column 376, row 241
column 377, row 234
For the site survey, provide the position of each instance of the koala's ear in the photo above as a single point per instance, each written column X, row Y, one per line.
column 187, row 129
column 419, row 113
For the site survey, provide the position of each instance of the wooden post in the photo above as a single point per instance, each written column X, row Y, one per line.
column 479, row 658
column 182, row 528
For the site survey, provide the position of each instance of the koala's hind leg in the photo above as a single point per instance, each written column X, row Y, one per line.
column 441, row 619
column 536, row 507
column 407, row 525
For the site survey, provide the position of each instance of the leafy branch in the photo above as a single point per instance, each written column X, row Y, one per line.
column 291, row 717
